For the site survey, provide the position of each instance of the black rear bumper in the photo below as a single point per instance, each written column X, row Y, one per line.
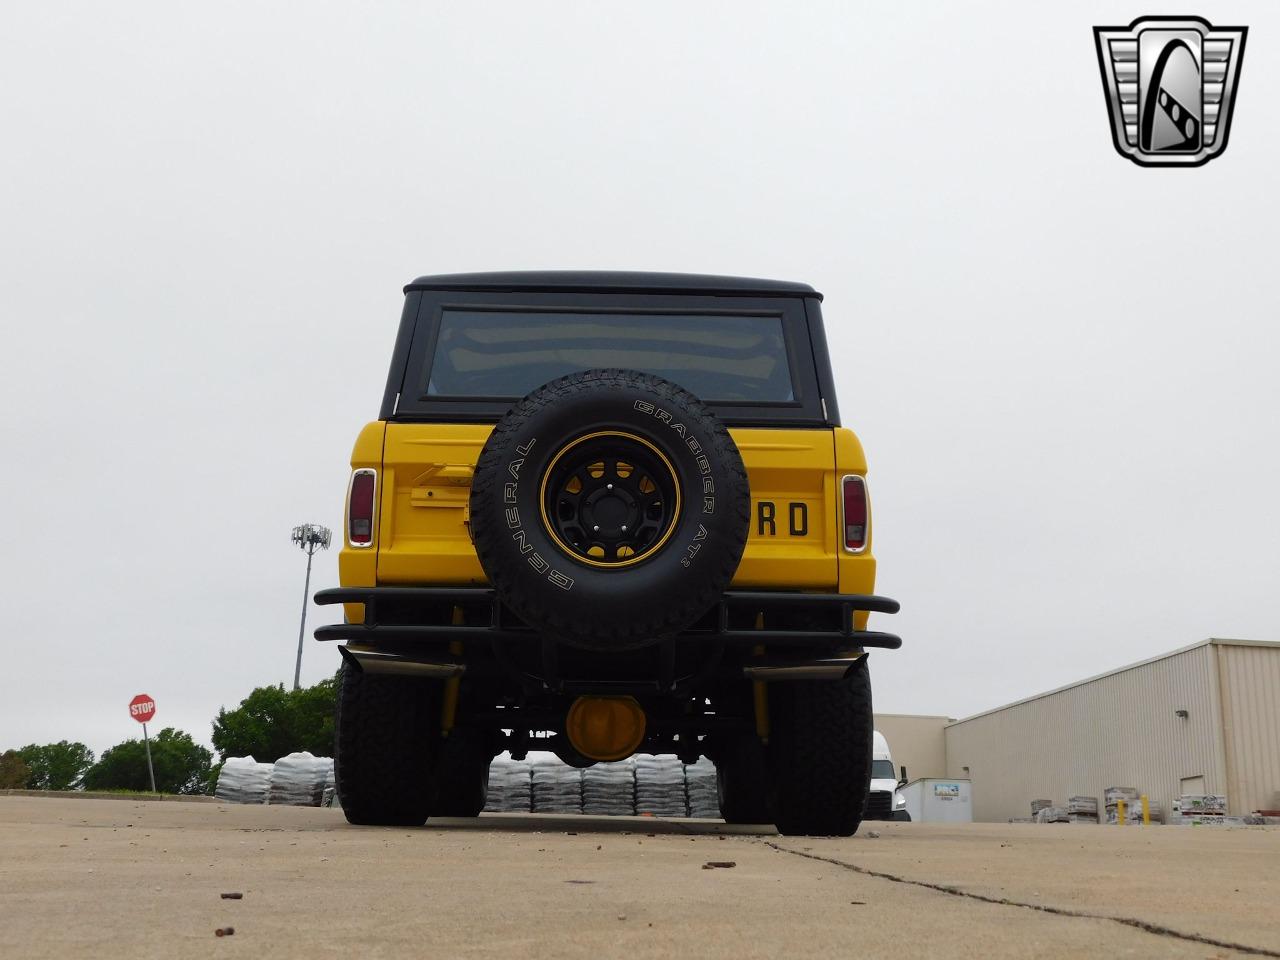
column 409, row 615
column 445, row 632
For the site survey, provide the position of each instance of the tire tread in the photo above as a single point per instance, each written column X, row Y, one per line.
column 820, row 753
column 383, row 750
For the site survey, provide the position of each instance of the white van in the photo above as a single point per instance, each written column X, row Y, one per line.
column 884, row 802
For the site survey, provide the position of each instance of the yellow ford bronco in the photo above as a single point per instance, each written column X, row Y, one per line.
column 605, row 514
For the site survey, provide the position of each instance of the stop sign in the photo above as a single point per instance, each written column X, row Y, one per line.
column 142, row 708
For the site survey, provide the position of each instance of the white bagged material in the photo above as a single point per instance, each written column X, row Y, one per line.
column 1083, row 805
column 557, row 787
column 1127, row 794
column 243, row 780
column 1202, row 803
column 326, row 784
column 660, row 786
column 1133, row 811
column 1220, row 820
column 700, row 789
column 609, row 789
column 510, row 785
column 298, row 780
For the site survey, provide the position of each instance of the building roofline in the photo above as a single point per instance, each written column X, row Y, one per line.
column 1232, row 642
column 1212, row 641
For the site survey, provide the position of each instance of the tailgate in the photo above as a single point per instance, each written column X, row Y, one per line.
column 426, row 481
column 792, row 544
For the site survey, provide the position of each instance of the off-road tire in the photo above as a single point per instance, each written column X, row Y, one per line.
column 742, row 783
column 820, row 747
column 609, row 606
column 462, row 774
column 385, row 737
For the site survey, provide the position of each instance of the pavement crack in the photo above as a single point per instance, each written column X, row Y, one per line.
column 1144, row 925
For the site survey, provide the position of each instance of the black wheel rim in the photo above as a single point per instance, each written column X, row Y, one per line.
column 610, row 499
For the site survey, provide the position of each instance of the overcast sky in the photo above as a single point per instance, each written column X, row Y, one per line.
column 1063, row 367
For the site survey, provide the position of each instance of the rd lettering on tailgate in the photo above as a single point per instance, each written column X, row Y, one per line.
column 774, row 518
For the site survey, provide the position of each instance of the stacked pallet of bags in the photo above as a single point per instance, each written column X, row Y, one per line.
column 1132, row 798
column 510, row 785
column 700, row 789
column 1082, row 809
column 609, row 789
column 557, row 787
column 298, row 780
column 1052, row 814
column 243, row 780
column 326, row 790
column 660, row 787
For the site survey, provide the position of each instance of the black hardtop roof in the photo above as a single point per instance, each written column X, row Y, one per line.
column 613, row 281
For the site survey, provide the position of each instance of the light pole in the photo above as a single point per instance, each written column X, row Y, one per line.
column 310, row 537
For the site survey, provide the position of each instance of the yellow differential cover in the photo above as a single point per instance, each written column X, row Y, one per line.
column 605, row 728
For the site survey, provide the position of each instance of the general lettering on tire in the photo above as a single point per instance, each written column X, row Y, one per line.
column 510, row 489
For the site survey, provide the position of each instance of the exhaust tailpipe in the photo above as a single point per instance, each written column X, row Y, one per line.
column 387, row 663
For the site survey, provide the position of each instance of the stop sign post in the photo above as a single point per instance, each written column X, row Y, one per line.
column 142, row 708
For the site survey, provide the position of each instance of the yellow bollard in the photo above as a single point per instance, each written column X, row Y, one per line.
column 1120, row 813
column 1146, row 811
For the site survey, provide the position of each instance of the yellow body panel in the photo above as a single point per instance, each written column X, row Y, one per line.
column 423, row 536
column 792, row 539
column 424, row 482
column 857, row 570
column 357, row 566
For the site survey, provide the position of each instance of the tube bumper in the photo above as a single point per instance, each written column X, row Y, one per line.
column 406, row 631
column 407, row 614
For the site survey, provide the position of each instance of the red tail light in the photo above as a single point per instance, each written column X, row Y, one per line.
column 855, row 514
column 360, row 507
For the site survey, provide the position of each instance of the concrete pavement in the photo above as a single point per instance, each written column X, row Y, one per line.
column 112, row 878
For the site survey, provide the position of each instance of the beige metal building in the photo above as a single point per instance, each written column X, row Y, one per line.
column 1204, row 719
column 916, row 742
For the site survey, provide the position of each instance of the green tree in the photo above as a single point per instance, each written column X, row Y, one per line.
column 14, row 772
column 272, row 722
column 56, row 766
column 181, row 765
column 211, row 779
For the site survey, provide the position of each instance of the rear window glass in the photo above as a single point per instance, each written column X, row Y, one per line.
column 506, row 354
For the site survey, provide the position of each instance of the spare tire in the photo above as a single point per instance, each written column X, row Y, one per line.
column 610, row 509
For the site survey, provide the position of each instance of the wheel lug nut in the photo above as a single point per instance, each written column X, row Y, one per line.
column 608, row 486
column 624, row 528
column 595, row 529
